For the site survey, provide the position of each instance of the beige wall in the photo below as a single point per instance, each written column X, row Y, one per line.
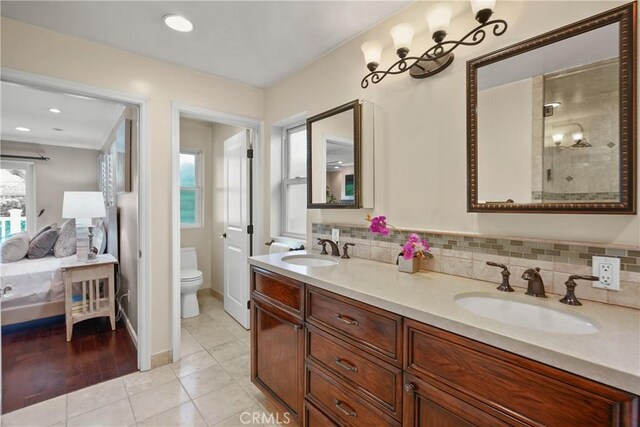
column 53, row 177
column 35, row 50
column 421, row 128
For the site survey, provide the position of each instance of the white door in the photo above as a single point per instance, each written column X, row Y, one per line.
column 236, row 221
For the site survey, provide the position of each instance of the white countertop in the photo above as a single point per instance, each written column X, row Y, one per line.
column 610, row 356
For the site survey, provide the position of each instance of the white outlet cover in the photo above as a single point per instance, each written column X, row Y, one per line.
column 335, row 234
column 615, row 274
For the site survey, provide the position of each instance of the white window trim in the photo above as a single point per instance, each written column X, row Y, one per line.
column 199, row 188
column 289, row 181
column 30, row 199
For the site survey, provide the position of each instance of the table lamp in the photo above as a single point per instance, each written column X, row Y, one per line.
column 84, row 206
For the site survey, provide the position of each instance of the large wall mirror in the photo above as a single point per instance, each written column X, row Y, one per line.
column 551, row 121
column 337, row 147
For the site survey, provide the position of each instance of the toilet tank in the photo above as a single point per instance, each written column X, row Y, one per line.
column 188, row 259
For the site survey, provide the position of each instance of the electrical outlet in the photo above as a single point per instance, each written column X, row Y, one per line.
column 335, row 234
column 608, row 270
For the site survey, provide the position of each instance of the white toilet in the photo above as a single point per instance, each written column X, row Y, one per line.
column 190, row 282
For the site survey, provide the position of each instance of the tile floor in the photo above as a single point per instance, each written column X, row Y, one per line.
column 209, row 386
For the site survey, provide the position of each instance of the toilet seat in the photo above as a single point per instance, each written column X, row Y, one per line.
column 190, row 275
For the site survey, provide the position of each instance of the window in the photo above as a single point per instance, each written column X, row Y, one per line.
column 294, row 181
column 190, row 189
column 17, row 198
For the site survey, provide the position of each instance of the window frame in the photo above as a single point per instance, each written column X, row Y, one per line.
column 30, row 197
column 199, row 188
column 287, row 181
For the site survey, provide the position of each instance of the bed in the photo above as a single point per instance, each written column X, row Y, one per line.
column 38, row 291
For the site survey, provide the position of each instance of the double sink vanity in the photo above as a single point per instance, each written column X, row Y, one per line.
column 354, row 342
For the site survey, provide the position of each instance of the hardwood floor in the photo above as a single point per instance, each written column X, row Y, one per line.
column 39, row 364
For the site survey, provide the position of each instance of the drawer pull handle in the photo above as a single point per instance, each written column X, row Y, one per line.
column 347, row 320
column 344, row 408
column 410, row 389
column 345, row 366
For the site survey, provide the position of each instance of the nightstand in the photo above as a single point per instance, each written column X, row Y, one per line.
column 89, row 290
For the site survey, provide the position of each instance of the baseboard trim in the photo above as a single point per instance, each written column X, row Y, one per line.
column 132, row 332
column 217, row 295
column 160, row 359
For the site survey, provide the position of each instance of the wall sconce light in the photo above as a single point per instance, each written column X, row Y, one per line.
column 437, row 57
column 580, row 141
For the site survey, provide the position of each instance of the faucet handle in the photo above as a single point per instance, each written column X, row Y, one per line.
column 323, row 242
column 570, row 298
column 504, row 286
column 345, row 249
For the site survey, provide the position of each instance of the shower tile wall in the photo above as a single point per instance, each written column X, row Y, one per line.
column 465, row 255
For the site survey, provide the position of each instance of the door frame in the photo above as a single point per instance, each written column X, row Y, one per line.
column 143, row 339
column 178, row 110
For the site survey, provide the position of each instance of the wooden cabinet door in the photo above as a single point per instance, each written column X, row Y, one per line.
column 426, row 405
column 277, row 353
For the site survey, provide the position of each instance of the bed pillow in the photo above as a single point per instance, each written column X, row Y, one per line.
column 15, row 247
column 66, row 243
column 53, row 226
column 42, row 244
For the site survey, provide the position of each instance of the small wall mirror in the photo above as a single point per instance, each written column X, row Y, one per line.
column 551, row 121
column 336, row 141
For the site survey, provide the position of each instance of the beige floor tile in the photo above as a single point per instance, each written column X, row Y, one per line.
column 228, row 351
column 237, row 331
column 185, row 415
column 223, row 320
column 94, row 397
column 206, row 380
column 238, row 367
column 49, row 412
column 188, row 343
column 158, row 399
column 114, row 414
column 142, row 381
column 193, row 363
column 218, row 405
column 214, row 338
column 252, row 390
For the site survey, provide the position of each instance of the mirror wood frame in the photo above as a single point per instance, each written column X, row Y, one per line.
column 356, row 106
column 626, row 16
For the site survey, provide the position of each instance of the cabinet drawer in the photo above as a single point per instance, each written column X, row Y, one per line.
column 313, row 417
column 279, row 290
column 341, row 402
column 378, row 381
column 374, row 330
column 532, row 392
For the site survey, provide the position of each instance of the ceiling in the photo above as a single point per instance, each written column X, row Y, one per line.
column 85, row 122
column 253, row 42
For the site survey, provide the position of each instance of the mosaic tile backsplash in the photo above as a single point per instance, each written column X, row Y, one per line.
column 466, row 255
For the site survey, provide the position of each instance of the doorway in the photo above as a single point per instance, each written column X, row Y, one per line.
column 136, row 209
column 229, row 196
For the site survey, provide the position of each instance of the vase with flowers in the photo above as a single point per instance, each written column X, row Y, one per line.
column 413, row 250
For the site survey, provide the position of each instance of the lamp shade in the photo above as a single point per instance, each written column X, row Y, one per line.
column 372, row 51
column 439, row 17
column 577, row 136
column 402, row 35
column 83, row 204
column 478, row 5
column 557, row 137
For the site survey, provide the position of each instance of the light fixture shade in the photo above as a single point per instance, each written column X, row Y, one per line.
column 178, row 23
column 372, row 51
column 478, row 5
column 577, row 136
column 83, row 204
column 438, row 17
column 402, row 35
column 557, row 137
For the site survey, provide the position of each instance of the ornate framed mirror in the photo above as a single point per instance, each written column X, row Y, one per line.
column 551, row 121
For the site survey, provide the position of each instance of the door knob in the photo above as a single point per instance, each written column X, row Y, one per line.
column 223, row 236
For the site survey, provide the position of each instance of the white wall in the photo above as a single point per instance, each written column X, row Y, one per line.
column 35, row 50
column 421, row 125
column 53, row 177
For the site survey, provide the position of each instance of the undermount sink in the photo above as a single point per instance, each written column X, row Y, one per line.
column 309, row 260
column 531, row 316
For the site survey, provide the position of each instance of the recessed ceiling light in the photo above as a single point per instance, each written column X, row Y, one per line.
column 22, row 129
column 553, row 104
column 57, row 129
column 337, row 167
column 178, row 23
column 55, row 110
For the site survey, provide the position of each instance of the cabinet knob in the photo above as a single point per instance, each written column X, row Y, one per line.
column 410, row 389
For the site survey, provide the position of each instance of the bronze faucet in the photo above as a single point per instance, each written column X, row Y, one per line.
column 570, row 297
column 504, row 286
column 335, row 251
column 535, row 286
column 345, row 250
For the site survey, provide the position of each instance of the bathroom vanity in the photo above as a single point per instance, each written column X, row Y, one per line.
column 357, row 343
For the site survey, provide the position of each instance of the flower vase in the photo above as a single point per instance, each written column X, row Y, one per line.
column 408, row 265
